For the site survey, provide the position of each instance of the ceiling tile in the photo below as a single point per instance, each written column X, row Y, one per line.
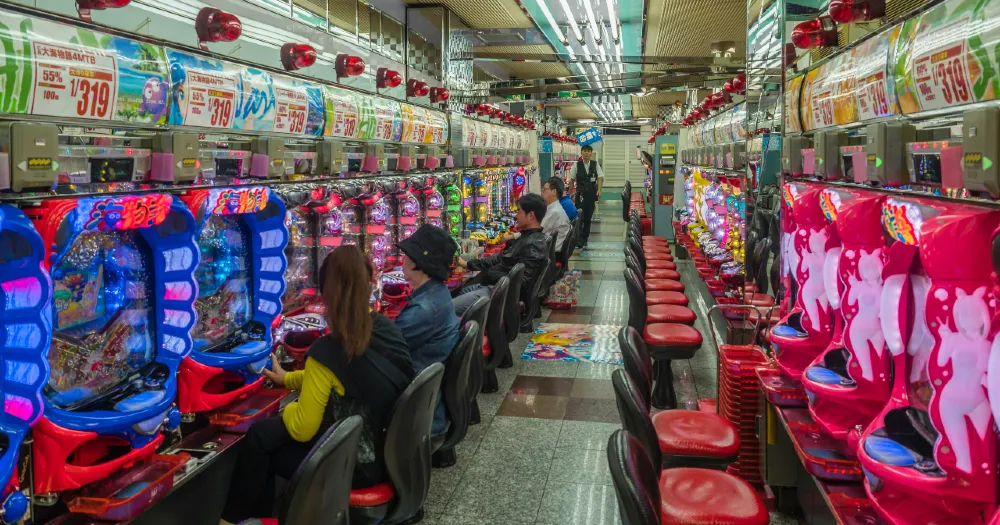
column 484, row 14
column 688, row 27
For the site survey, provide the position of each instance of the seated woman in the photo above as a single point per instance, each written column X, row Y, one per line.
column 360, row 368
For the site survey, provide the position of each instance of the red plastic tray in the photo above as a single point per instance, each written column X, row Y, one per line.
column 239, row 415
column 130, row 492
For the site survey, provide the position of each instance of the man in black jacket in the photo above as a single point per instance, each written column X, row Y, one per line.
column 532, row 249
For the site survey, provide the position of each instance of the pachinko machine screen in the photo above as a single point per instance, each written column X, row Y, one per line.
column 225, row 292
column 300, row 278
column 104, row 333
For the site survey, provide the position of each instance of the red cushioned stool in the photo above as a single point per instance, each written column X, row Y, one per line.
column 668, row 342
column 658, row 256
column 667, row 285
column 688, row 496
column 670, row 313
column 660, row 265
column 666, row 297
column 662, row 274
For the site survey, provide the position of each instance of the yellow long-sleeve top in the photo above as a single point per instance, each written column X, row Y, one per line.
column 303, row 417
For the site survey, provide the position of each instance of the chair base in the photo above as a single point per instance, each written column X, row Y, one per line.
column 671, row 461
column 490, row 382
column 417, row 518
column 664, row 397
column 444, row 458
column 475, row 418
column 508, row 361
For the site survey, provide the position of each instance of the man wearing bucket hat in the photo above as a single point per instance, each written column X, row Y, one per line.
column 428, row 320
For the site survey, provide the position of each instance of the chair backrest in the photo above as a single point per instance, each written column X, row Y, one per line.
column 634, row 416
column 636, row 479
column 568, row 246
column 494, row 323
column 550, row 268
column 512, row 308
column 637, row 309
column 639, row 258
column 478, row 313
column 626, row 203
column 638, row 361
column 319, row 492
column 457, row 382
column 408, row 443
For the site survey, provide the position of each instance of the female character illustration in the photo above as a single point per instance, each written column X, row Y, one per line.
column 865, row 332
column 963, row 395
column 813, row 292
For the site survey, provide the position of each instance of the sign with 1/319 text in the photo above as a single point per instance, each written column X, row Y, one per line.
column 293, row 107
column 589, row 136
column 211, row 99
column 72, row 81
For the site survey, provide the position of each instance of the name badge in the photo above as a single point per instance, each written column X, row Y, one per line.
column 593, row 179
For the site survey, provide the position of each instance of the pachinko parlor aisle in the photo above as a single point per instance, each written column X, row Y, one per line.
column 165, row 209
column 845, row 224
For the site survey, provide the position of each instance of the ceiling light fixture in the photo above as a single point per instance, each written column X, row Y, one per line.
column 571, row 17
column 552, row 21
column 612, row 19
column 595, row 26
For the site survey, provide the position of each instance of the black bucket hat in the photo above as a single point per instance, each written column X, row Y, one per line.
column 431, row 250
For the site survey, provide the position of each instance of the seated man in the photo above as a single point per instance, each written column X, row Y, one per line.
column 531, row 248
column 427, row 321
column 567, row 203
column 555, row 222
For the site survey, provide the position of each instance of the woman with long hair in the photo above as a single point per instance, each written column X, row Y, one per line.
column 360, row 368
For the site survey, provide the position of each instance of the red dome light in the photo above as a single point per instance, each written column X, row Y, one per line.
column 85, row 6
column 349, row 66
column 821, row 32
column 297, row 56
column 215, row 25
column 439, row 95
column 387, row 78
column 720, row 99
column 416, row 89
column 740, row 83
column 847, row 11
column 728, row 87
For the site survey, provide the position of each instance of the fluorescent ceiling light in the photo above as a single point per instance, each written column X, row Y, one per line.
column 613, row 20
column 593, row 67
column 595, row 26
column 586, row 121
column 571, row 17
column 552, row 20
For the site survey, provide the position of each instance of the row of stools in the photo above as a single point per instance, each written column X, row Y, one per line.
column 673, row 458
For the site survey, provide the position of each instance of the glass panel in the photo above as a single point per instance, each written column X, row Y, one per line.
column 313, row 12
column 343, row 17
column 392, row 38
column 104, row 330
column 224, row 289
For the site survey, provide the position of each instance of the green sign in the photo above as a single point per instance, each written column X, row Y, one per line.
column 514, row 97
column 571, row 94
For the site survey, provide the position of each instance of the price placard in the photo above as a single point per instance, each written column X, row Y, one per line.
column 72, row 81
column 469, row 126
column 819, row 101
column 345, row 121
column 940, row 70
column 792, row 93
column 367, row 119
column 872, row 89
column 293, row 109
column 407, row 112
column 211, row 99
column 384, row 117
column 419, row 124
column 438, row 126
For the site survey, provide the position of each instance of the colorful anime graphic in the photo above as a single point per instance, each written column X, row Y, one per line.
column 575, row 343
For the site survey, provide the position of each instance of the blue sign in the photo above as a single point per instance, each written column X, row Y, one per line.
column 546, row 145
column 588, row 137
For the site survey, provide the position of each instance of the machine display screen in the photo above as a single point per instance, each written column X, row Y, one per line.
column 225, row 292
column 101, row 312
column 927, row 168
column 228, row 167
column 847, row 166
column 112, row 170
column 300, row 282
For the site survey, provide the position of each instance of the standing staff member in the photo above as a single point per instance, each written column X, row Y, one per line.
column 588, row 182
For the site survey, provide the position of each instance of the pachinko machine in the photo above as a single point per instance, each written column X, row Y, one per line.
column 714, row 218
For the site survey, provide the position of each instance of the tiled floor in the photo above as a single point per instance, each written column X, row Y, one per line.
column 538, row 457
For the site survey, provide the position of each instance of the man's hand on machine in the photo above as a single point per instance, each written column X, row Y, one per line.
column 463, row 263
column 276, row 374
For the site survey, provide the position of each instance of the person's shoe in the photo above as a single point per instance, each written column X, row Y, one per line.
column 444, row 458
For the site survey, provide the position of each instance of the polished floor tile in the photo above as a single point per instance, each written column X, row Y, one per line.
column 586, row 434
column 546, row 386
column 592, row 389
column 534, row 406
column 596, row 371
column 571, row 465
column 522, row 431
column 535, row 367
column 594, row 410
column 578, row 504
column 570, row 318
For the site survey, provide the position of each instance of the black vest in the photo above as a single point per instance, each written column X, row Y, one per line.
column 583, row 177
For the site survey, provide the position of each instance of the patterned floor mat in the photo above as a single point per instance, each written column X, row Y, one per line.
column 575, row 343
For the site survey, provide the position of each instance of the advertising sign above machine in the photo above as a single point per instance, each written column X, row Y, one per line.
column 60, row 70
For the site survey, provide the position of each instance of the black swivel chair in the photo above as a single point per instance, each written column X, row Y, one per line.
column 407, row 451
column 512, row 312
column 636, row 480
column 456, row 392
column 319, row 491
column 532, row 308
column 562, row 258
column 550, row 275
column 495, row 335
column 478, row 313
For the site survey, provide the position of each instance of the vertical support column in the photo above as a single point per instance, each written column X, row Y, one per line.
column 664, row 179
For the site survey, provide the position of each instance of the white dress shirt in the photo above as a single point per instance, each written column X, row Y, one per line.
column 555, row 222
